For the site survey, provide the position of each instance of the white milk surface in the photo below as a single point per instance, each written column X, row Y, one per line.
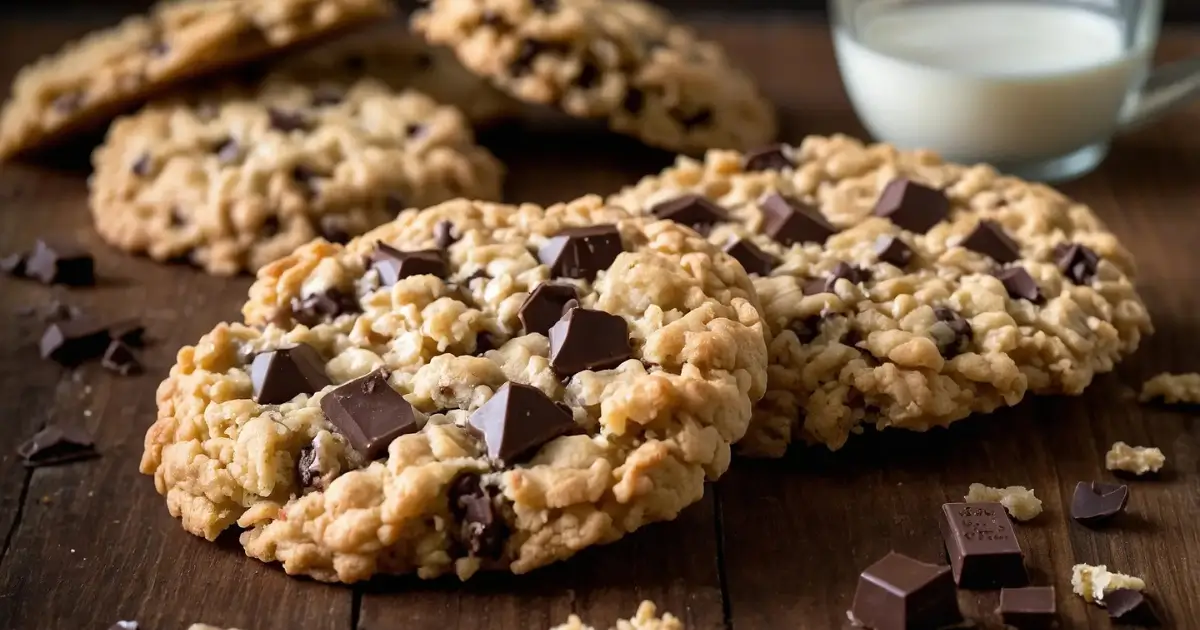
column 989, row 81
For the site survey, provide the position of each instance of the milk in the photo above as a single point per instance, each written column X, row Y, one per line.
column 994, row 81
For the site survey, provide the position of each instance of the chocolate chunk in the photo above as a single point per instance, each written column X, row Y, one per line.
column 13, row 265
column 588, row 340
column 545, row 306
column 983, row 548
column 1095, row 502
column 956, row 336
column 443, row 234
column 588, row 76
column 1077, row 262
column 634, row 100
column 73, row 342
column 60, row 266
column 693, row 211
column 141, row 167
column 912, row 206
column 228, row 152
column 482, row 528
column 323, row 307
column 517, row 421
column 806, row 329
column 754, row 260
column 1020, row 285
column 841, row 271
column 582, row 252
column 484, row 343
column 1029, row 608
column 129, row 332
column 307, row 467
column 282, row 374
column 68, row 102
column 1130, row 607
column 991, row 240
column 326, row 95
column 57, row 444
column 415, row 130
column 119, row 358
column 369, row 413
column 890, row 249
column 898, row 593
column 286, row 121
column 769, row 158
column 394, row 265
column 789, row 220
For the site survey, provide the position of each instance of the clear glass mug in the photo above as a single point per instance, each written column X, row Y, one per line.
column 1036, row 87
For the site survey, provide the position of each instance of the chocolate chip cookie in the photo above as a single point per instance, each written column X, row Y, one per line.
column 622, row 61
column 88, row 82
column 903, row 291
column 231, row 180
column 471, row 386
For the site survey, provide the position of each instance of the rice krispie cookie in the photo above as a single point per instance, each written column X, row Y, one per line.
column 1173, row 389
column 232, row 180
column 623, row 61
column 89, row 81
column 902, row 290
column 472, row 386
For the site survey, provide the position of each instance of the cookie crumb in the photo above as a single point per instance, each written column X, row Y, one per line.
column 646, row 619
column 1092, row 583
column 204, row 626
column 1173, row 389
column 1138, row 460
column 1020, row 501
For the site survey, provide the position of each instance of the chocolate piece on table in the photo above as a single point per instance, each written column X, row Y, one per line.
column 768, row 158
column 545, row 306
column 983, row 548
column 369, row 413
column 1095, row 502
column 1077, row 262
column 73, row 342
column 753, row 259
column 582, row 252
column 482, row 528
column 60, row 266
column 841, row 271
column 120, row 359
column 394, row 265
column 13, row 264
column 1020, row 285
column 57, row 444
column 517, row 421
column 585, row 339
column 789, row 221
column 694, row 211
column 1029, row 608
column 129, row 332
column 890, row 249
column 900, row 593
column 282, row 374
column 990, row 239
column 1129, row 607
column 323, row 307
column 912, row 206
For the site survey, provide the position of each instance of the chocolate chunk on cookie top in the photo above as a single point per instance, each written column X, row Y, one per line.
column 393, row 265
column 518, row 420
column 693, row 211
column 588, row 340
column 789, row 220
column 990, row 239
column 912, row 206
column 282, row 374
column 582, row 252
column 369, row 413
column 1077, row 262
column 546, row 305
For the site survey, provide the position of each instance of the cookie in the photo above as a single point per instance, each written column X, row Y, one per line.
column 472, row 386
column 901, row 290
column 232, row 180
column 622, row 61
column 88, row 82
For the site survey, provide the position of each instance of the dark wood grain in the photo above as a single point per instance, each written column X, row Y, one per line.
column 774, row 545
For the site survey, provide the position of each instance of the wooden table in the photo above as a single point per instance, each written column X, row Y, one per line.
column 773, row 545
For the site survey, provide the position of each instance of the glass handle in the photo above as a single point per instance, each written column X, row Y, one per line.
column 1168, row 87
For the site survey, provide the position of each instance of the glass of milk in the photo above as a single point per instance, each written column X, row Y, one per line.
column 1036, row 87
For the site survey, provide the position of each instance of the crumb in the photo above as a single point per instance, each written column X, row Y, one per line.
column 1093, row 583
column 1138, row 460
column 1020, row 501
column 1174, row 389
column 646, row 619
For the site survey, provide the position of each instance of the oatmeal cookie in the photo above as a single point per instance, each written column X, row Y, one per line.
column 901, row 290
column 88, row 82
column 232, row 180
column 622, row 61
column 472, row 386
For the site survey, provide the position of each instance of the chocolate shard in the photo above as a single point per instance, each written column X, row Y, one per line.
column 991, row 240
column 13, row 264
column 891, row 249
column 899, row 593
column 694, row 211
column 952, row 333
column 1077, row 262
column 582, row 252
column 119, row 358
column 517, row 421
column 286, row 121
column 912, row 206
column 443, row 234
column 841, row 271
column 1020, row 285
column 51, row 265
column 57, row 444
column 1095, row 502
column 369, row 413
column 789, row 221
column 282, row 374
column 768, row 158
column 545, row 306
column 323, row 307
column 585, row 339
column 394, row 265
column 983, row 548
column 72, row 342
column 482, row 528
column 1029, row 608
column 753, row 259
column 1129, row 607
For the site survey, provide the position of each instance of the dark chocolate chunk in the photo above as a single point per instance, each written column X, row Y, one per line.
column 754, row 260
column 890, row 249
column 545, row 306
column 517, row 421
column 899, row 593
column 789, row 220
column 323, row 307
column 582, row 252
column 119, row 358
column 956, row 336
column 769, row 158
column 282, row 374
column 1020, row 285
column 286, row 121
column 228, row 152
column 1095, row 502
column 68, row 102
column 483, row 343
column 141, row 167
column 841, row 271
column 693, row 211
column 415, row 130
column 306, row 466
column 57, row 444
column 1077, row 262
column 443, row 234
column 983, row 548
column 129, row 332
column 1130, row 607
column 51, row 265
column 73, row 342
column 13, row 264
column 912, row 206
column 1029, row 608
column 634, row 100
column 326, row 95
column 588, row 340
column 394, row 265
column 369, row 413
column 991, row 240
column 482, row 528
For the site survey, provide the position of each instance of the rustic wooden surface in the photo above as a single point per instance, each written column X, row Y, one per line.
column 773, row 545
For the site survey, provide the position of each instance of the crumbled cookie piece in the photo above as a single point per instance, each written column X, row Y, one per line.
column 1173, row 389
column 1138, row 460
column 1092, row 583
column 204, row 626
column 1020, row 501
column 647, row 618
